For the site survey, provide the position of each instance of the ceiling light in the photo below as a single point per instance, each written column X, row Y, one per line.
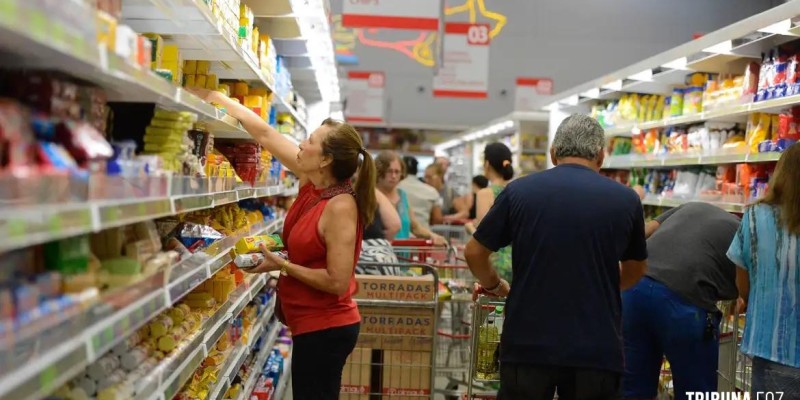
column 720, row 48
column 676, row 64
column 591, row 93
column 570, row 101
column 781, row 27
column 614, row 85
column 646, row 75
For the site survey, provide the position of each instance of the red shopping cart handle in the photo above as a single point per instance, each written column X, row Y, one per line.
column 412, row 242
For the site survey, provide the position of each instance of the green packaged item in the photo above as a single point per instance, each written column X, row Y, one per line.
column 68, row 256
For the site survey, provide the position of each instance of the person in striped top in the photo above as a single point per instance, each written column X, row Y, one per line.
column 765, row 249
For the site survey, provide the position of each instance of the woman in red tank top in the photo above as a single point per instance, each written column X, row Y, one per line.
column 322, row 233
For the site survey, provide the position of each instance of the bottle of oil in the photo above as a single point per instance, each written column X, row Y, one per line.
column 488, row 341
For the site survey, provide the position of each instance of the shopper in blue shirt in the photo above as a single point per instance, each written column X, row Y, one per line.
column 766, row 250
column 577, row 239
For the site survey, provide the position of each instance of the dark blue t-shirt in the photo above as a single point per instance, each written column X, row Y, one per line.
column 569, row 228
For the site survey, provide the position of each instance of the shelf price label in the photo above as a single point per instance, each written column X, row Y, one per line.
column 365, row 96
column 530, row 91
column 465, row 67
column 421, row 15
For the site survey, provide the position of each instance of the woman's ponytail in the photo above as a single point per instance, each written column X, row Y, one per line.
column 365, row 188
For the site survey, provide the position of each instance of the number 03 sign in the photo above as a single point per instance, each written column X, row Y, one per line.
column 465, row 68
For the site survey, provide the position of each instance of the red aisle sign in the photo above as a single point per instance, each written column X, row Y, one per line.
column 530, row 90
column 365, row 96
column 396, row 14
column 465, row 69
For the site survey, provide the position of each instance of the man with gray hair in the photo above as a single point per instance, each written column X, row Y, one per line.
column 578, row 239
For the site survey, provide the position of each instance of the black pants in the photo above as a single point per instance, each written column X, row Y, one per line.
column 318, row 359
column 534, row 382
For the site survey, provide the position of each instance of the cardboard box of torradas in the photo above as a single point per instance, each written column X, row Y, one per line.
column 400, row 288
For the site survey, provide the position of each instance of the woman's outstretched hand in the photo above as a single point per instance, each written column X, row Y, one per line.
column 203, row 93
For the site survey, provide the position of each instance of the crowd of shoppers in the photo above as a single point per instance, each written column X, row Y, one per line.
column 600, row 298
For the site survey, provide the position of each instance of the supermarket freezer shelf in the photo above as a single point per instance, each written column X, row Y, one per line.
column 662, row 201
column 64, row 349
column 729, row 113
column 28, row 226
column 678, row 159
column 259, row 362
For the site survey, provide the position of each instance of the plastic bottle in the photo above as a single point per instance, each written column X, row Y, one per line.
column 488, row 339
column 499, row 319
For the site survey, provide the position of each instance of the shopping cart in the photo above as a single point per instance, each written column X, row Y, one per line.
column 484, row 371
column 451, row 359
column 393, row 356
column 454, row 232
column 735, row 368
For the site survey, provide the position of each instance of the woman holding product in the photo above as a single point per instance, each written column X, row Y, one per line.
column 498, row 170
column 322, row 234
column 390, row 170
column 765, row 249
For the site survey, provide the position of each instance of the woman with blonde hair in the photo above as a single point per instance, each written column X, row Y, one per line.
column 322, row 234
column 390, row 170
column 765, row 249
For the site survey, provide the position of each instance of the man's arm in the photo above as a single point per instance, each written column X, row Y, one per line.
column 651, row 227
column 630, row 272
column 477, row 256
column 634, row 261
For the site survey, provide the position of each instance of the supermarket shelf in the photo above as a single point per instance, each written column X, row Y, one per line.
column 259, row 362
column 674, row 202
column 732, row 113
column 287, row 374
column 89, row 333
column 54, row 48
column 191, row 25
column 28, row 226
column 674, row 160
column 195, row 350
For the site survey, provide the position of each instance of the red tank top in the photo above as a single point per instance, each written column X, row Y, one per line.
column 305, row 308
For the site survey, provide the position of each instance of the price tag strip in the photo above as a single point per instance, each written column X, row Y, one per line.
column 45, row 371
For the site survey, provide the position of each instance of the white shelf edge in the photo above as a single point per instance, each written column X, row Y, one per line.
column 677, row 159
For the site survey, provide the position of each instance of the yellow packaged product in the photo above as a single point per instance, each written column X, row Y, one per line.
column 251, row 244
column 172, row 53
column 179, row 313
column 759, row 130
column 106, row 30
column 212, row 82
column 184, row 116
column 189, row 80
column 160, row 326
column 200, row 300
column 200, row 80
column 170, row 341
column 202, row 67
column 190, row 67
column 240, row 89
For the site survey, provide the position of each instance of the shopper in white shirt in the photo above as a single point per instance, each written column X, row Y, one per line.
column 423, row 198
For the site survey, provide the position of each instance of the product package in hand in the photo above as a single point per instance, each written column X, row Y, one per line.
column 247, row 251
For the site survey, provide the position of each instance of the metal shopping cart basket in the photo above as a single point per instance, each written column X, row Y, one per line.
column 484, row 373
column 735, row 368
column 454, row 317
column 396, row 344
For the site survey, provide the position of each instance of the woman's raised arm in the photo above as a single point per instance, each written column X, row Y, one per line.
column 284, row 149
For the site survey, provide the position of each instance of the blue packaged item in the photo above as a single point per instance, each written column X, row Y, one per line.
column 783, row 144
column 765, row 146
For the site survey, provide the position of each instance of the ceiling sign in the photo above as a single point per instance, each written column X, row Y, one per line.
column 530, row 91
column 365, row 97
column 395, row 14
column 465, row 69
